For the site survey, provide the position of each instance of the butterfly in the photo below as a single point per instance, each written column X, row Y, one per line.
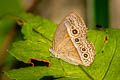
column 70, row 41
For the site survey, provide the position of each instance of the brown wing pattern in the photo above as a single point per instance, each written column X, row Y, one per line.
column 63, row 47
column 78, row 32
column 70, row 43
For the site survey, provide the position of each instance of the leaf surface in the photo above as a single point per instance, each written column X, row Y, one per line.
column 38, row 35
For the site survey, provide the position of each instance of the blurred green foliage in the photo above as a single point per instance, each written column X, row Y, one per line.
column 8, row 8
column 5, row 26
column 101, row 13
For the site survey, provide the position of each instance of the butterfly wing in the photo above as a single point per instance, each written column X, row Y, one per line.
column 70, row 43
column 78, row 32
column 63, row 47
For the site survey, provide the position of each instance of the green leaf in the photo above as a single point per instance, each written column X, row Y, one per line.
column 31, row 24
column 38, row 41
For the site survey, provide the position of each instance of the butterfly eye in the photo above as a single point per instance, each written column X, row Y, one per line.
column 74, row 31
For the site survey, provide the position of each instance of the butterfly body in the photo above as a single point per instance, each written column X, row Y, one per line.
column 70, row 43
